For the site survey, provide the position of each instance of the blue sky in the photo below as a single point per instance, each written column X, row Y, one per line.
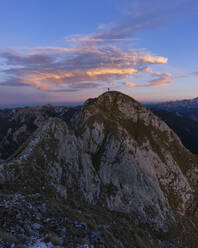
column 68, row 51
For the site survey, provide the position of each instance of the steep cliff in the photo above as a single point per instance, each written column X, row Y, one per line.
column 114, row 155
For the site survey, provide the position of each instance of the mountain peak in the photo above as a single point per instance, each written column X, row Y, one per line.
column 110, row 97
column 113, row 105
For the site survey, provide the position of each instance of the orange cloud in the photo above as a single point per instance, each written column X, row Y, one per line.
column 129, row 84
column 154, row 59
column 51, row 67
column 112, row 71
column 164, row 79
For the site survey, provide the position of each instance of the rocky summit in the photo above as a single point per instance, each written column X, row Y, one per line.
column 109, row 175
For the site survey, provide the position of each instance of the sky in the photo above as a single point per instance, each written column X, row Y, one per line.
column 68, row 51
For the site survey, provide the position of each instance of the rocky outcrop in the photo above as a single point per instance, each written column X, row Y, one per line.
column 116, row 155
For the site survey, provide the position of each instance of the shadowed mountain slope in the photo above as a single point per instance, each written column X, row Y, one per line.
column 185, row 127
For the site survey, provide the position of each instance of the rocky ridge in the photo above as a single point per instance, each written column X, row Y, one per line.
column 17, row 125
column 115, row 156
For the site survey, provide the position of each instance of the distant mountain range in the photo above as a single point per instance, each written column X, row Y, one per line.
column 182, row 117
column 187, row 104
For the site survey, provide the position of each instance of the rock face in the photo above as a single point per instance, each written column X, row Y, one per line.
column 114, row 154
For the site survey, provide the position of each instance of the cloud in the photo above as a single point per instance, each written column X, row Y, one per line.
column 195, row 73
column 93, row 60
column 129, row 84
column 164, row 79
column 31, row 59
column 142, row 15
column 182, row 75
column 49, row 68
column 161, row 80
column 13, row 83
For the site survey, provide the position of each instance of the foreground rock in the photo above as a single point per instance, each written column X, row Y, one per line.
column 116, row 162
